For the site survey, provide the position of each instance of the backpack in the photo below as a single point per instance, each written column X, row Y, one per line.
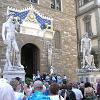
column 89, row 95
column 70, row 94
column 62, row 93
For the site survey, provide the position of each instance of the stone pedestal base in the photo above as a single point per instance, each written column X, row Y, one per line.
column 11, row 74
column 85, row 75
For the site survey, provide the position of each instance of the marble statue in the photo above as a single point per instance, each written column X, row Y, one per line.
column 85, row 46
column 89, row 59
column 9, row 28
column 50, row 54
column 51, row 70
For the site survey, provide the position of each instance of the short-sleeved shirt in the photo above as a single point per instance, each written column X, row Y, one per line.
column 56, row 97
column 78, row 93
column 38, row 96
column 19, row 95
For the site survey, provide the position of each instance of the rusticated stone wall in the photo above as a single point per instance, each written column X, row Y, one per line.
column 64, row 59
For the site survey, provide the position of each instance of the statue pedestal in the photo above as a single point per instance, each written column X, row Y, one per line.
column 90, row 75
column 13, row 73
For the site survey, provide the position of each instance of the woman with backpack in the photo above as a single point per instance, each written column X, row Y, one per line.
column 89, row 92
column 67, row 92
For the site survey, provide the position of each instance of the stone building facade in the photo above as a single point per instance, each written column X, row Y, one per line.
column 88, row 20
column 34, row 49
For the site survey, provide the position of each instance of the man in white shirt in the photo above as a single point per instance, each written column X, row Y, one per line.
column 54, row 88
column 77, row 92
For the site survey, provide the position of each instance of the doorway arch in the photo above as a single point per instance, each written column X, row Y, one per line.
column 30, row 59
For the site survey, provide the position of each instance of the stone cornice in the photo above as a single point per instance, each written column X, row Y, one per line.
column 86, row 11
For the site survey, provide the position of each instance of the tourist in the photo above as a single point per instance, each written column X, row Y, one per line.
column 6, row 90
column 53, row 78
column 67, row 93
column 70, row 95
column 47, row 92
column 54, row 95
column 18, row 79
column 38, row 76
column 47, row 78
column 17, row 90
column 59, row 79
column 62, row 90
column 98, row 89
column 28, row 89
column 64, row 79
column 77, row 92
column 81, row 87
column 38, row 92
column 89, row 91
column 34, row 77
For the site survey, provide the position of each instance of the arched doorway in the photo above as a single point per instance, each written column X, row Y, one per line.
column 30, row 59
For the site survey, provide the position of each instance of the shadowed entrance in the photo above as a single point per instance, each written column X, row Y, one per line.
column 30, row 59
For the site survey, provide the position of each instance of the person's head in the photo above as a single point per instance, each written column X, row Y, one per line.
column 16, row 85
column 98, row 81
column 87, row 84
column 54, row 88
column 18, row 78
column 81, row 85
column 63, row 86
column 69, row 86
column 75, row 85
column 38, row 85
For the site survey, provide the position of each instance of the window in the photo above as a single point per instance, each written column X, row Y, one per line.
column 57, row 40
column 83, row 2
column 56, row 4
column 86, row 1
column 34, row 1
column 80, row 3
column 87, row 24
column 88, row 28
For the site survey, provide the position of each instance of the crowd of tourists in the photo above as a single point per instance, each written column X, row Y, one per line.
column 42, row 88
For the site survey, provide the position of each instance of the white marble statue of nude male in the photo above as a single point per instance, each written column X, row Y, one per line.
column 85, row 46
column 9, row 39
